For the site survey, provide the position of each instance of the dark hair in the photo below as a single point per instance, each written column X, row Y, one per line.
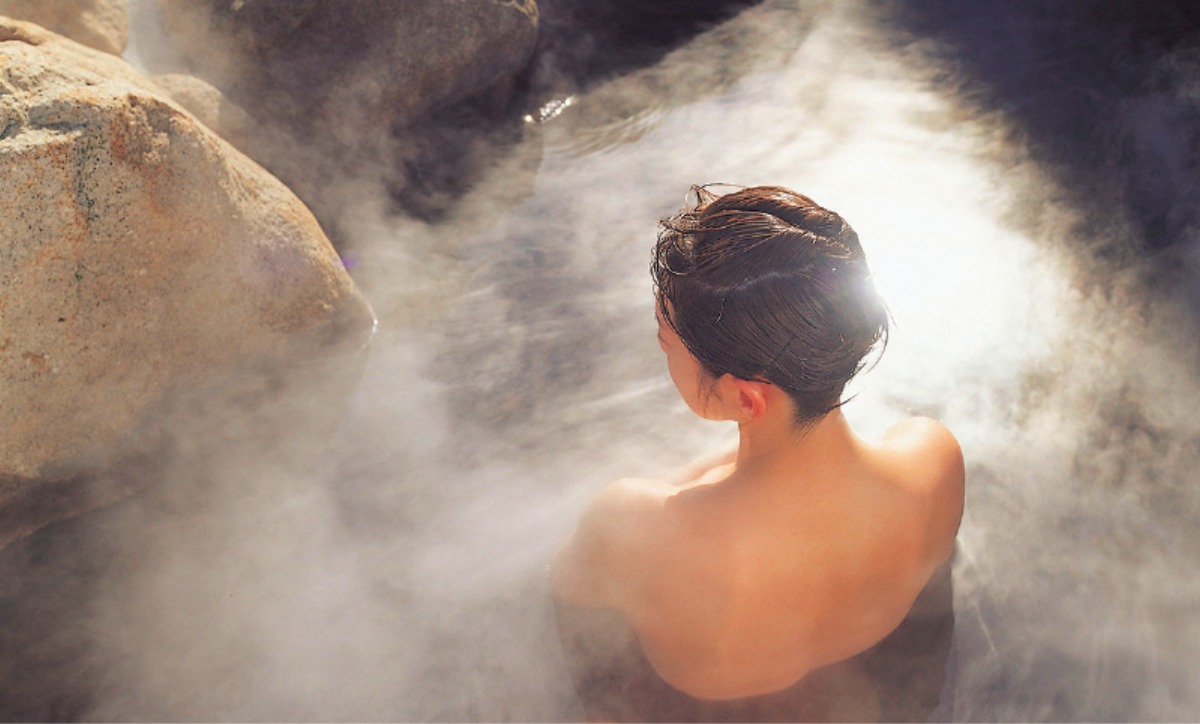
column 765, row 284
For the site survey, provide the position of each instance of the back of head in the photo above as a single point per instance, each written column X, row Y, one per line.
column 765, row 284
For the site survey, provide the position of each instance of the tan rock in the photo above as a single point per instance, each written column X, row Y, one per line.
column 139, row 253
column 100, row 24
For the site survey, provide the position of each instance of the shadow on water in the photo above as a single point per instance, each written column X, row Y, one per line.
column 50, row 580
column 615, row 110
column 582, row 43
column 1106, row 93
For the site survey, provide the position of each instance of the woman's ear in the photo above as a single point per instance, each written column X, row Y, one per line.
column 744, row 400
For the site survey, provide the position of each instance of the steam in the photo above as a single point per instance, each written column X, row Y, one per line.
column 398, row 573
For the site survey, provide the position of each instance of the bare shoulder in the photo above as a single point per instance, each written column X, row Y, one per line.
column 598, row 564
column 931, row 462
column 926, row 439
column 621, row 510
column 930, row 453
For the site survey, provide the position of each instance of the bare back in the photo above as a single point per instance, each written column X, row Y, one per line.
column 742, row 581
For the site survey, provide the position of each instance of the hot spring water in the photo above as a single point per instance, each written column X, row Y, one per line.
column 515, row 372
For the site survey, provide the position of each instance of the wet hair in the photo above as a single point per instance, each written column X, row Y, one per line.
column 765, row 284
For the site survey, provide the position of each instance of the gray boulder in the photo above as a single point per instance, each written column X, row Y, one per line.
column 375, row 60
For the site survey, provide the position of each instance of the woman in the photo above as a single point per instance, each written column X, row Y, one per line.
column 806, row 545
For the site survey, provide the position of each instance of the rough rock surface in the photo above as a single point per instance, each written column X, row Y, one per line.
column 138, row 253
column 101, row 24
column 384, row 59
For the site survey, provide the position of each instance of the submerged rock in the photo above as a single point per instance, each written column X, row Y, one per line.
column 101, row 24
column 211, row 107
column 141, row 257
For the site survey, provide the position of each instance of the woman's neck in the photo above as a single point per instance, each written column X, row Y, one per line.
column 773, row 448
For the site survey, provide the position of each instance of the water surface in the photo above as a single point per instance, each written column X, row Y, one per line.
column 516, row 372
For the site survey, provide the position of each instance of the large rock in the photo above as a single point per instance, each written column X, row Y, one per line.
column 101, row 24
column 139, row 253
column 375, row 60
